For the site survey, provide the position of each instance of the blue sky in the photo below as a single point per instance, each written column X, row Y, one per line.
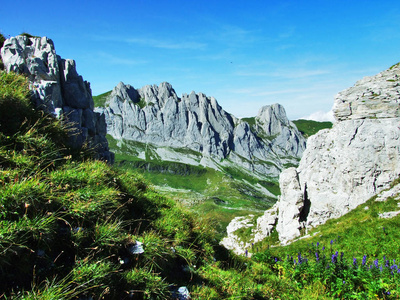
column 244, row 53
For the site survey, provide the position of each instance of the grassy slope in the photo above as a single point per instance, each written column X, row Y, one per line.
column 367, row 250
column 310, row 127
column 67, row 225
column 100, row 100
column 213, row 194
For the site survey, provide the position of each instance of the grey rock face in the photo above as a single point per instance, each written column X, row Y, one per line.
column 156, row 115
column 58, row 89
column 348, row 164
column 372, row 97
column 290, row 205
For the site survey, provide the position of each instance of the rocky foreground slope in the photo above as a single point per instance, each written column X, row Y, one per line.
column 156, row 115
column 58, row 89
column 344, row 166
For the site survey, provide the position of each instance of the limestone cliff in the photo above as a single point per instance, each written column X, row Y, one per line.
column 346, row 165
column 156, row 115
column 58, row 89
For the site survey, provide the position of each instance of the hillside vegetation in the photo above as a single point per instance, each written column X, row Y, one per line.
column 72, row 227
column 216, row 195
column 75, row 228
column 310, row 127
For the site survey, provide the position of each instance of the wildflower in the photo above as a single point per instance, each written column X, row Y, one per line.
column 317, row 244
column 354, row 261
column 246, row 252
column 331, row 242
column 323, row 248
column 334, row 257
column 376, row 263
column 317, row 256
column 341, row 255
column 364, row 260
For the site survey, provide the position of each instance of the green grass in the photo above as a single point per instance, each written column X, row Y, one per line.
column 68, row 225
column 394, row 66
column 67, row 222
column 251, row 121
column 357, row 236
column 310, row 127
column 216, row 195
column 100, row 100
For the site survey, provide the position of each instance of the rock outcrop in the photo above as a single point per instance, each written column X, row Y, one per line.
column 348, row 164
column 156, row 115
column 341, row 167
column 373, row 97
column 58, row 89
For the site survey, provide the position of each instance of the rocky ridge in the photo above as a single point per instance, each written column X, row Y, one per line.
column 58, row 89
column 345, row 166
column 157, row 116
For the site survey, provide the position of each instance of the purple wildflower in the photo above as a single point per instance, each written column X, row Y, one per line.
column 334, row 257
column 354, row 261
column 317, row 256
column 331, row 242
column 364, row 260
column 246, row 252
column 376, row 263
column 317, row 244
column 323, row 248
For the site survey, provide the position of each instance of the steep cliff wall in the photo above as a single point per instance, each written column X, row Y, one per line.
column 58, row 89
column 346, row 165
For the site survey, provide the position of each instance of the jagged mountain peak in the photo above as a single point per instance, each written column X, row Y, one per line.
column 155, row 114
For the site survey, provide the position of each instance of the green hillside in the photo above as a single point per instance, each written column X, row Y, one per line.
column 100, row 100
column 310, row 127
column 75, row 228
column 216, row 195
